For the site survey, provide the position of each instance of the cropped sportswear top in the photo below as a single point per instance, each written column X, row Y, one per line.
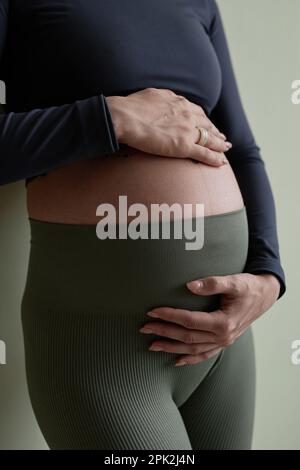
column 59, row 60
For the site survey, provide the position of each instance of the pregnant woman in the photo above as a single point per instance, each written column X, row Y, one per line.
column 136, row 99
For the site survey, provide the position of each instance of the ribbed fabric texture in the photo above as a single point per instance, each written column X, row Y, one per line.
column 92, row 381
column 58, row 113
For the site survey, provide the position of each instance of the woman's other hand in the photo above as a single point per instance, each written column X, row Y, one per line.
column 160, row 122
column 201, row 335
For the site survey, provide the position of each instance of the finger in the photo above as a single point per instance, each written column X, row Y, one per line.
column 195, row 320
column 208, row 124
column 177, row 332
column 216, row 143
column 200, row 114
column 214, row 131
column 197, row 358
column 205, row 155
column 214, row 285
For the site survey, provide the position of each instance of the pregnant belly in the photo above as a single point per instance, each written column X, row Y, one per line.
column 72, row 194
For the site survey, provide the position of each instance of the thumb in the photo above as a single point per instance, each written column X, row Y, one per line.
column 210, row 285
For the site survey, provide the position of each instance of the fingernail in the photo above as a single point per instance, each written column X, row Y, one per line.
column 181, row 363
column 145, row 330
column 152, row 314
column 155, row 348
column 195, row 284
column 225, row 161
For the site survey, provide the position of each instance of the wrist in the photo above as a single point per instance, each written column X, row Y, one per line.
column 271, row 281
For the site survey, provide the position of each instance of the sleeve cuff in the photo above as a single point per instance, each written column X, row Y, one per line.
column 271, row 267
column 97, row 127
column 114, row 144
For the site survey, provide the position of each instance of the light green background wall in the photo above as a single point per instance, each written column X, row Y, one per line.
column 264, row 37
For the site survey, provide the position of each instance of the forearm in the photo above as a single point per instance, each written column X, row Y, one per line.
column 263, row 253
column 40, row 140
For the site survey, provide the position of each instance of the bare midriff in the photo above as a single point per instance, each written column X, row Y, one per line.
column 71, row 194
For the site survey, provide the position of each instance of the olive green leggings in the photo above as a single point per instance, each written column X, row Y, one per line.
column 92, row 381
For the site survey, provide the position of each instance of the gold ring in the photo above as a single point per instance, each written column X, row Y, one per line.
column 204, row 135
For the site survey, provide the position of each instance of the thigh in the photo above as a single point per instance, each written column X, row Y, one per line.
column 92, row 389
column 220, row 412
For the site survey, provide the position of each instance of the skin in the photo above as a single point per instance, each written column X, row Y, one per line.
column 158, row 129
column 198, row 336
column 158, row 126
column 144, row 178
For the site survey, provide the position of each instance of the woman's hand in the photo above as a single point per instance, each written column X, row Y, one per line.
column 201, row 335
column 160, row 122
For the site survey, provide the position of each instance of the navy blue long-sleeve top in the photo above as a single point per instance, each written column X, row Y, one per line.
column 60, row 59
